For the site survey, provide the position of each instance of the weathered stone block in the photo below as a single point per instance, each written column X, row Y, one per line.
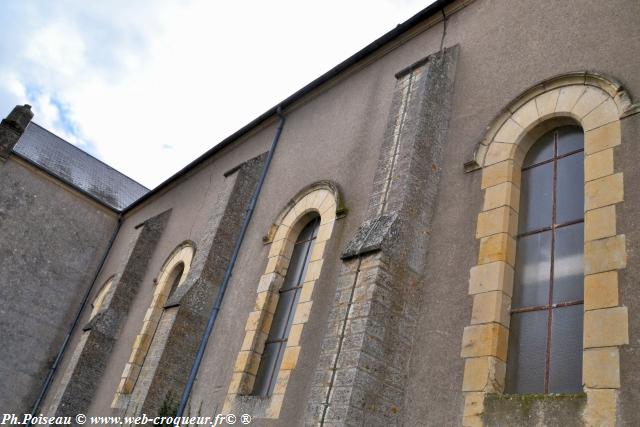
column 605, row 254
column 294, row 335
column 313, row 270
column 254, row 340
column 270, row 282
column 499, row 173
column 494, row 276
column 278, row 265
column 241, row 383
column 546, row 102
column 307, row 291
column 491, row 307
column 303, row 310
column 606, row 327
column 484, row 374
column 290, row 358
column 498, row 247
column 604, row 191
column 499, row 152
column 589, row 100
column 472, row 421
column 247, row 361
column 473, row 403
column 509, row 132
column 598, row 165
column 485, row 340
column 266, row 301
column 499, row 220
column 604, row 113
column 253, row 321
column 281, row 382
column 505, row 194
column 600, row 223
column 568, row 97
column 601, row 368
column 318, row 251
column 602, row 138
column 601, row 407
column 601, row 290
column 280, row 247
column 527, row 115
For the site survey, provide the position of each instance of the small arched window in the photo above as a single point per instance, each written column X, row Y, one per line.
column 288, row 296
column 173, row 273
column 545, row 338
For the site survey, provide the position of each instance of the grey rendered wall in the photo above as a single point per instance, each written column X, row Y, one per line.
column 505, row 48
column 52, row 241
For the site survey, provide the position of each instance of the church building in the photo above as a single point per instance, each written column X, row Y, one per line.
column 442, row 230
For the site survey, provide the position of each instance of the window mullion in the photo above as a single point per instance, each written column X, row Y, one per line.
column 554, row 202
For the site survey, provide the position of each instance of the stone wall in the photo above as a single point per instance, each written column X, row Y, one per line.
column 53, row 241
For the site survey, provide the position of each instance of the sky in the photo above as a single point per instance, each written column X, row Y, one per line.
column 149, row 85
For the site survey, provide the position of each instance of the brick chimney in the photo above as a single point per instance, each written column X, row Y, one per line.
column 12, row 127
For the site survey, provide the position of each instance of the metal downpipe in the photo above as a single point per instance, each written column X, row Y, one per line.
column 227, row 275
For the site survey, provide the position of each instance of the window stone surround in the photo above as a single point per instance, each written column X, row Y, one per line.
column 322, row 199
column 597, row 104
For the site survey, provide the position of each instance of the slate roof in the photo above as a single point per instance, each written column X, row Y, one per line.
column 77, row 168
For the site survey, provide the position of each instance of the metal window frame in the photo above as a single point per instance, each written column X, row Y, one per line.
column 282, row 341
column 550, row 306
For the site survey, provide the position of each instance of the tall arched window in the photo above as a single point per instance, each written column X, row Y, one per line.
column 545, row 338
column 288, row 297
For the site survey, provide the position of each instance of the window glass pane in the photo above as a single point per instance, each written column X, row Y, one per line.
column 570, row 138
column 565, row 373
column 281, row 316
column 301, row 251
column 296, row 265
column 533, row 270
column 568, row 270
column 267, row 367
column 536, row 198
column 570, row 188
column 527, row 352
column 540, row 151
column 308, row 231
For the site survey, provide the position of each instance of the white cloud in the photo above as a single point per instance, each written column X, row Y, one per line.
column 150, row 86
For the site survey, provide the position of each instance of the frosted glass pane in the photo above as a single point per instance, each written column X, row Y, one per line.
column 568, row 268
column 296, row 266
column 570, row 138
column 533, row 270
column 565, row 374
column 527, row 352
column 281, row 316
column 540, row 151
column 570, row 188
column 266, row 369
column 536, row 198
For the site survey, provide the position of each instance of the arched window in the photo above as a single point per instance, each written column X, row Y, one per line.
column 288, row 297
column 545, row 339
column 173, row 273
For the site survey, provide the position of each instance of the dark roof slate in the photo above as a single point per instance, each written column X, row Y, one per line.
column 77, row 168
